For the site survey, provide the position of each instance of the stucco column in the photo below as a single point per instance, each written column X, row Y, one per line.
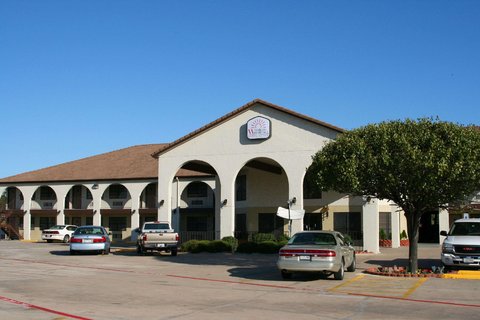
column 97, row 203
column 295, row 172
column 443, row 222
column 27, row 192
column 371, row 225
column 395, row 219
column 226, row 210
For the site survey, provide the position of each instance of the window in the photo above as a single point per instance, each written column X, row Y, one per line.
column 117, row 223
column 117, row 191
column 89, row 221
column 312, row 221
column 197, row 190
column 269, row 223
column 196, row 223
column 241, row 188
column 46, row 222
column 349, row 223
column 47, row 193
column 88, row 194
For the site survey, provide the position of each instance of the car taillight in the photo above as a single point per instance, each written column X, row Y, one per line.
column 100, row 240
column 75, row 240
column 55, row 232
column 144, row 238
column 313, row 252
column 177, row 237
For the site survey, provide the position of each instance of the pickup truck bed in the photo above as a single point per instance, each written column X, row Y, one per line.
column 157, row 236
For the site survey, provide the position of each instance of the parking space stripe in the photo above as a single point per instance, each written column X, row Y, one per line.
column 414, row 287
column 32, row 306
column 347, row 282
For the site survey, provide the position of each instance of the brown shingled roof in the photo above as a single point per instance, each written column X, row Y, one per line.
column 232, row 114
column 124, row 164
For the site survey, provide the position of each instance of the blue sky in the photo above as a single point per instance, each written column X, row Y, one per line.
column 79, row 78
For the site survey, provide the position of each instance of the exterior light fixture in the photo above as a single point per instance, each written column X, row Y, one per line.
column 224, row 202
column 161, row 203
column 95, row 186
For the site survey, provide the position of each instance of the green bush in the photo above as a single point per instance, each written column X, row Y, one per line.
column 247, row 247
column 403, row 235
column 283, row 238
column 187, row 246
column 201, row 246
column 268, row 247
column 232, row 242
column 218, row 246
column 382, row 234
column 261, row 237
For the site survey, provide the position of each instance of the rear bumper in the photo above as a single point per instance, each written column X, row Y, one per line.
column 310, row 266
column 58, row 237
column 159, row 246
column 88, row 246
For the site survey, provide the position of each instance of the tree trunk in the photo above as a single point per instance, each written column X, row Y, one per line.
column 413, row 225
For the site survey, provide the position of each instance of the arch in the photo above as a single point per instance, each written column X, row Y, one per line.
column 79, row 197
column 14, row 198
column 261, row 186
column 116, row 196
column 149, row 196
column 44, row 198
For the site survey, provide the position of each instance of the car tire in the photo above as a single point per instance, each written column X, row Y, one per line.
column 174, row 252
column 353, row 265
column 140, row 249
column 106, row 252
column 340, row 273
column 49, row 240
column 286, row 274
column 66, row 239
column 72, row 252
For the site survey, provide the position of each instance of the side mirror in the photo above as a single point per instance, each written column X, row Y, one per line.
column 443, row 233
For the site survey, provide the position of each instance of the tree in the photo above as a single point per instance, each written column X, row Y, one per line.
column 421, row 165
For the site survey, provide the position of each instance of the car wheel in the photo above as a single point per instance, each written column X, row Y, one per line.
column 72, row 252
column 106, row 252
column 49, row 241
column 174, row 252
column 66, row 239
column 140, row 249
column 353, row 265
column 340, row 273
column 286, row 274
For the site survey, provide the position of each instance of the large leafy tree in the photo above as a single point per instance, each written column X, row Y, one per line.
column 421, row 165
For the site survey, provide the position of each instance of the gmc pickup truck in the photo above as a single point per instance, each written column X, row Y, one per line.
column 461, row 248
column 157, row 236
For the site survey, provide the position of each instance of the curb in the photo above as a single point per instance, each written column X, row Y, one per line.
column 461, row 274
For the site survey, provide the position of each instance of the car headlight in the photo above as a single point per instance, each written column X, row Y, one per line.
column 447, row 248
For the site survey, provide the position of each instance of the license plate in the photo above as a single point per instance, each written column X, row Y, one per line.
column 161, row 245
column 87, row 241
column 468, row 260
column 304, row 258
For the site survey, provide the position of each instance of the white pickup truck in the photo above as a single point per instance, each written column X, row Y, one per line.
column 461, row 247
column 157, row 236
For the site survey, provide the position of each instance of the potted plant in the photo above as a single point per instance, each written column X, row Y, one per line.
column 384, row 242
column 404, row 242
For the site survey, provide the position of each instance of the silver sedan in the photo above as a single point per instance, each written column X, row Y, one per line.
column 326, row 252
column 90, row 238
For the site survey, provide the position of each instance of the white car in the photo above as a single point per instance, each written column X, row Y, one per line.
column 59, row 233
column 461, row 247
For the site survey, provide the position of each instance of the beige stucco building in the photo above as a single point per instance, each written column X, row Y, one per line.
column 226, row 178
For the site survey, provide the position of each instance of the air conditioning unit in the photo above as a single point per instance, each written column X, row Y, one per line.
column 48, row 204
column 117, row 204
column 196, row 202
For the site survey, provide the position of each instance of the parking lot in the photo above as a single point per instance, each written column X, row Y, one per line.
column 42, row 281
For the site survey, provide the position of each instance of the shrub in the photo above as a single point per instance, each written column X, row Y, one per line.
column 268, row 247
column 382, row 234
column 261, row 237
column 187, row 246
column 201, row 246
column 247, row 247
column 403, row 235
column 218, row 246
column 232, row 242
column 283, row 238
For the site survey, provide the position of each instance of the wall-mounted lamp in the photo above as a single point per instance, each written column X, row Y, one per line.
column 95, row 186
column 224, row 202
column 94, row 211
column 293, row 201
column 161, row 203
column 133, row 211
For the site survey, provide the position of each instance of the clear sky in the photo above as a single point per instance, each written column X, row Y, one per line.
column 79, row 78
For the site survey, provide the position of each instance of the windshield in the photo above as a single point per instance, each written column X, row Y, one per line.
column 465, row 229
column 58, row 227
column 156, row 226
column 313, row 238
column 89, row 230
